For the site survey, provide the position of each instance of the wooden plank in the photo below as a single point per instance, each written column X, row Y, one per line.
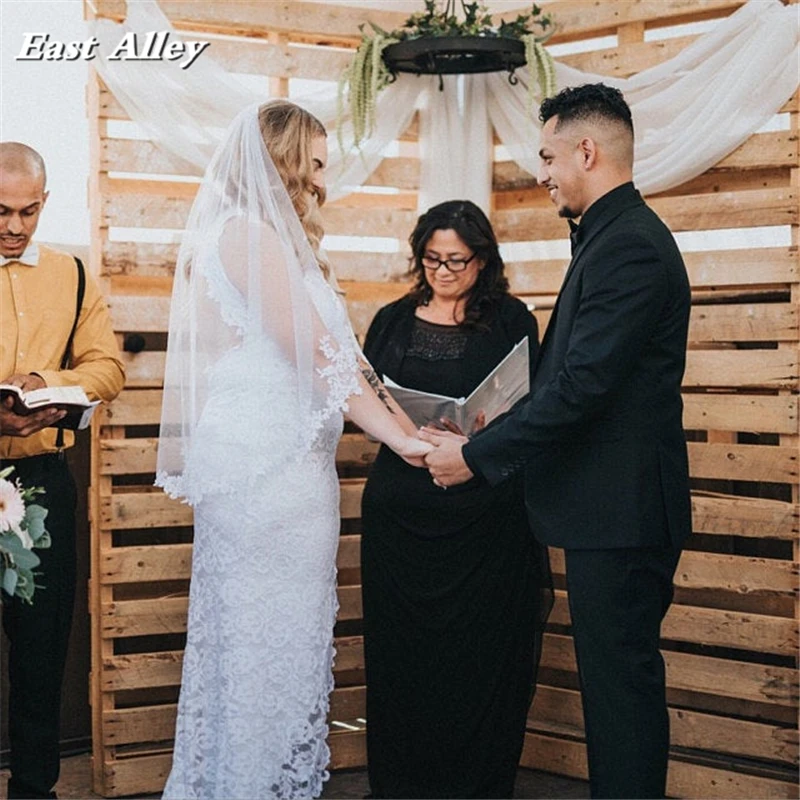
column 747, row 322
column 356, row 450
column 562, row 756
column 758, row 633
column 348, row 749
column 142, row 671
column 690, row 213
column 144, row 617
column 138, row 456
column 400, row 173
column 768, row 369
column 537, row 277
column 139, row 210
column 171, row 562
column 132, row 510
column 762, row 150
column 142, row 724
column 349, row 553
column 144, row 370
column 254, row 57
column 349, row 603
column 720, row 783
column 255, row 18
column 142, row 155
column 744, row 516
column 145, row 563
column 154, row 616
column 773, row 464
column 350, row 503
column 366, row 266
column 738, row 412
column 134, row 407
column 739, row 574
column 688, row 729
column 140, row 258
column 718, row 268
column 349, row 653
column 626, row 58
column 143, row 774
column 579, row 19
column 145, row 314
column 715, row 676
column 684, row 779
column 369, row 222
column 348, row 702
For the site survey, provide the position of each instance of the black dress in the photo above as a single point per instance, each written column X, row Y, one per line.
column 456, row 588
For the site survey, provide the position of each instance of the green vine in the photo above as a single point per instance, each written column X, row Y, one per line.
column 367, row 74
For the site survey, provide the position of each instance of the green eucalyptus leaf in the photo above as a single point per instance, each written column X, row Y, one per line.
column 34, row 521
column 25, row 585
column 9, row 579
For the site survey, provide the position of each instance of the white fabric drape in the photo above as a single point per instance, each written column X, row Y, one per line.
column 689, row 112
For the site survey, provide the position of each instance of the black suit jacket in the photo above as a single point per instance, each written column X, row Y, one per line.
column 601, row 437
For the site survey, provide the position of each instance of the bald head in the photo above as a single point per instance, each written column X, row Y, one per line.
column 20, row 159
column 22, row 196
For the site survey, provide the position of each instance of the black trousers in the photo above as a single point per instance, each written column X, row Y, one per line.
column 38, row 634
column 617, row 601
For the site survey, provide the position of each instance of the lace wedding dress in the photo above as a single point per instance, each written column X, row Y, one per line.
column 258, row 662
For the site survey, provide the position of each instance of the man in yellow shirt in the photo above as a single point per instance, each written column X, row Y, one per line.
column 39, row 295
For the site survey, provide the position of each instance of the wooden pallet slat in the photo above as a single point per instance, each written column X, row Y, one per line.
column 732, row 724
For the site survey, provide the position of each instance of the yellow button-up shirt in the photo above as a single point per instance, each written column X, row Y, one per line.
column 37, row 309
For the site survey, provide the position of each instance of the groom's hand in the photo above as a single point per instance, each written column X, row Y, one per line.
column 445, row 463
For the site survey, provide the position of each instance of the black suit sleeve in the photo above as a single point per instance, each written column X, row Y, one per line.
column 623, row 292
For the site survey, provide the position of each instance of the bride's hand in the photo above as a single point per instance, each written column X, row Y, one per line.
column 413, row 450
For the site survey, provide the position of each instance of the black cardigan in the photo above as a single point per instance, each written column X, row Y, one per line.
column 508, row 322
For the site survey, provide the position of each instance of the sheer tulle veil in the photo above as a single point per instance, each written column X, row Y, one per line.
column 247, row 282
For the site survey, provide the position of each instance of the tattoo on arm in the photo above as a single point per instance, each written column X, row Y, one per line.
column 374, row 381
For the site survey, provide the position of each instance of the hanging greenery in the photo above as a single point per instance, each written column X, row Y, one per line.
column 367, row 73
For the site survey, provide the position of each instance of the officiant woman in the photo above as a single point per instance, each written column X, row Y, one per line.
column 456, row 588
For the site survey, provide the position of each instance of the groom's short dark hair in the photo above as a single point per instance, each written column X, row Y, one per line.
column 592, row 101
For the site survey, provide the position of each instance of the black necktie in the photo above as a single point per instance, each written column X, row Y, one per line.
column 574, row 235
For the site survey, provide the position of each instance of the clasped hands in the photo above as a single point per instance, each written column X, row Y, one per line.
column 445, row 462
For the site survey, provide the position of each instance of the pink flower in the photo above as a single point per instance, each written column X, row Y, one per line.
column 12, row 507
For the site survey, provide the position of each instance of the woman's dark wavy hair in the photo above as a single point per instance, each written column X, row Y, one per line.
column 474, row 228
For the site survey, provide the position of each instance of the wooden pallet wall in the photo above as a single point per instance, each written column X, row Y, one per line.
column 730, row 639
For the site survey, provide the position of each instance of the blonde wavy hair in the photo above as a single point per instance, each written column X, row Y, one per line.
column 288, row 131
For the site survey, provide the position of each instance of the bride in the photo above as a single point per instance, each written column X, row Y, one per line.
column 261, row 364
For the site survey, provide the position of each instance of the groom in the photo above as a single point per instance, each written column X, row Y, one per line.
column 600, row 437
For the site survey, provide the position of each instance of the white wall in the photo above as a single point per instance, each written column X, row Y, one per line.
column 43, row 105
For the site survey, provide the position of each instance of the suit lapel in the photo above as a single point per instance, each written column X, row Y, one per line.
column 608, row 215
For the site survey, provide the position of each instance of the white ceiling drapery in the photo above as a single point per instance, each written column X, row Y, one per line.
column 689, row 112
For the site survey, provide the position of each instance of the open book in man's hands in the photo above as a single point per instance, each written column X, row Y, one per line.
column 71, row 399
column 504, row 386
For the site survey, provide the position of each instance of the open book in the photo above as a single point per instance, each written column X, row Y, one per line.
column 504, row 386
column 71, row 399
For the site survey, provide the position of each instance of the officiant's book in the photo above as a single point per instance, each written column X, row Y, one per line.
column 497, row 393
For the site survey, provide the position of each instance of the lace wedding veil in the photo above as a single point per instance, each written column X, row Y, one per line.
column 260, row 351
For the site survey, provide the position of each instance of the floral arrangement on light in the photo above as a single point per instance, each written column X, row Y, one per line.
column 21, row 529
column 367, row 74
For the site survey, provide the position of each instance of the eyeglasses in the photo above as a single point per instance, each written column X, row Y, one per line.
column 450, row 264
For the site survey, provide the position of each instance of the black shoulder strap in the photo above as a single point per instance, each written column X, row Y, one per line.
column 68, row 349
column 78, row 305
